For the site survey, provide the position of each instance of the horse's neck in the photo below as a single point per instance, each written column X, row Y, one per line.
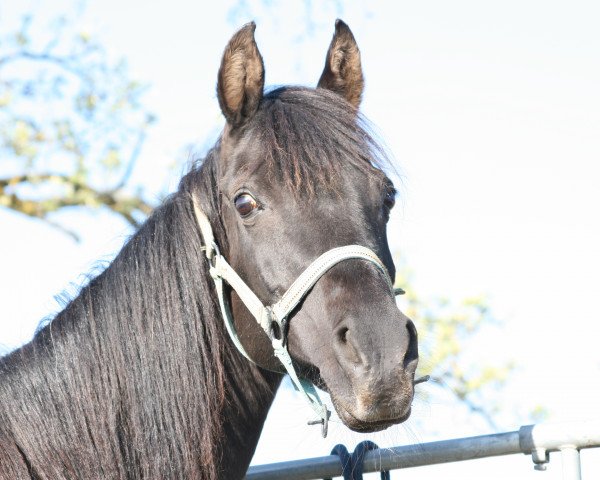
column 126, row 382
column 245, row 414
column 249, row 393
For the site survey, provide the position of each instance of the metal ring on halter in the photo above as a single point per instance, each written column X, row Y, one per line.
column 215, row 248
column 274, row 331
column 213, row 256
column 324, row 422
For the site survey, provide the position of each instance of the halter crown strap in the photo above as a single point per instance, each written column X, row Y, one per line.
column 277, row 313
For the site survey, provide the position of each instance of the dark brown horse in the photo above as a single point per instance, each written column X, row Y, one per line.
column 137, row 376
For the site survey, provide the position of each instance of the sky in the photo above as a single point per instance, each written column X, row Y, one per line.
column 492, row 112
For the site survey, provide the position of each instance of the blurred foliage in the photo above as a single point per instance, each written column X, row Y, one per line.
column 446, row 330
column 71, row 124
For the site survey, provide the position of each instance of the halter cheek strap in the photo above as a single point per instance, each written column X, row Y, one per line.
column 273, row 318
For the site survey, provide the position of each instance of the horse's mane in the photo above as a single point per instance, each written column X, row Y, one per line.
column 132, row 371
column 135, row 377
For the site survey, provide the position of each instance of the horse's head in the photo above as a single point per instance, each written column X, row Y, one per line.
column 297, row 176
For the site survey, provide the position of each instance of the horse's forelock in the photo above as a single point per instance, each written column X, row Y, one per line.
column 303, row 137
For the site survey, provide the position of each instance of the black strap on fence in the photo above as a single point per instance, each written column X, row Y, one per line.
column 352, row 465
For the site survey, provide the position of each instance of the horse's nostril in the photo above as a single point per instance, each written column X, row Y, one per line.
column 342, row 335
column 348, row 350
column 412, row 351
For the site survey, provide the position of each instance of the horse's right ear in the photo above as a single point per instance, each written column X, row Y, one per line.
column 241, row 77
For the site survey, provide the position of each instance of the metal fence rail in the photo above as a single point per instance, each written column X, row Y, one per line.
column 535, row 440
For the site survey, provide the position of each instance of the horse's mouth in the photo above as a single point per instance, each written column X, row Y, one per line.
column 350, row 420
column 367, row 426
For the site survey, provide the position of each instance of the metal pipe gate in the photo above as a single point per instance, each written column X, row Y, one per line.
column 535, row 440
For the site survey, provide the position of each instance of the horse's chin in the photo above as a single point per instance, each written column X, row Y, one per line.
column 356, row 424
column 367, row 426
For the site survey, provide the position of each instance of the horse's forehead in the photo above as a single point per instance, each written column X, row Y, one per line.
column 242, row 161
column 257, row 157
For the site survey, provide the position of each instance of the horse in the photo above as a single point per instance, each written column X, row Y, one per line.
column 138, row 378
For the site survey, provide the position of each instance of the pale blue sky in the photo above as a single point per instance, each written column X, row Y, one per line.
column 492, row 111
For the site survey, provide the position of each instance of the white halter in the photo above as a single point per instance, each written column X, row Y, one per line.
column 273, row 318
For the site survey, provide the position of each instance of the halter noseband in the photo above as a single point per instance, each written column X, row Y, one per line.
column 273, row 318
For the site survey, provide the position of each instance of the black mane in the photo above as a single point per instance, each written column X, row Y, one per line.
column 134, row 370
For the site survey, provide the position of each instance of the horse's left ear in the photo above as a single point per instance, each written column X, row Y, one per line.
column 343, row 72
column 241, row 77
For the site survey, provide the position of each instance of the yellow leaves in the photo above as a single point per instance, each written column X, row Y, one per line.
column 443, row 343
column 27, row 207
column 120, row 104
column 474, row 301
column 70, row 145
column 71, row 112
column 447, row 331
column 112, row 160
column 488, row 374
column 50, row 193
column 21, row 133
column 87, row 102
column 21, row 39
column 91, row 101
column 80, row 175
column 87, row 198
column 5, row 99
column 85, row 36
column 539, row 414
column 22, row 141
column 66, row 137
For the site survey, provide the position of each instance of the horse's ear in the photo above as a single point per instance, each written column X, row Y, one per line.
column 343, row 72
column 241, row 77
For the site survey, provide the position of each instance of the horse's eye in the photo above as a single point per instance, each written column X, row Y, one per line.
column 390, row 198
column 245, row 204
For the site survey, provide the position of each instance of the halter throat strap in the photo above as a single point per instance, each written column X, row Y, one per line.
column 273, row 318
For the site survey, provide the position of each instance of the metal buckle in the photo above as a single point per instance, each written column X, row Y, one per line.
column 275, row 332
column 211, row 251
column 212, row 254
